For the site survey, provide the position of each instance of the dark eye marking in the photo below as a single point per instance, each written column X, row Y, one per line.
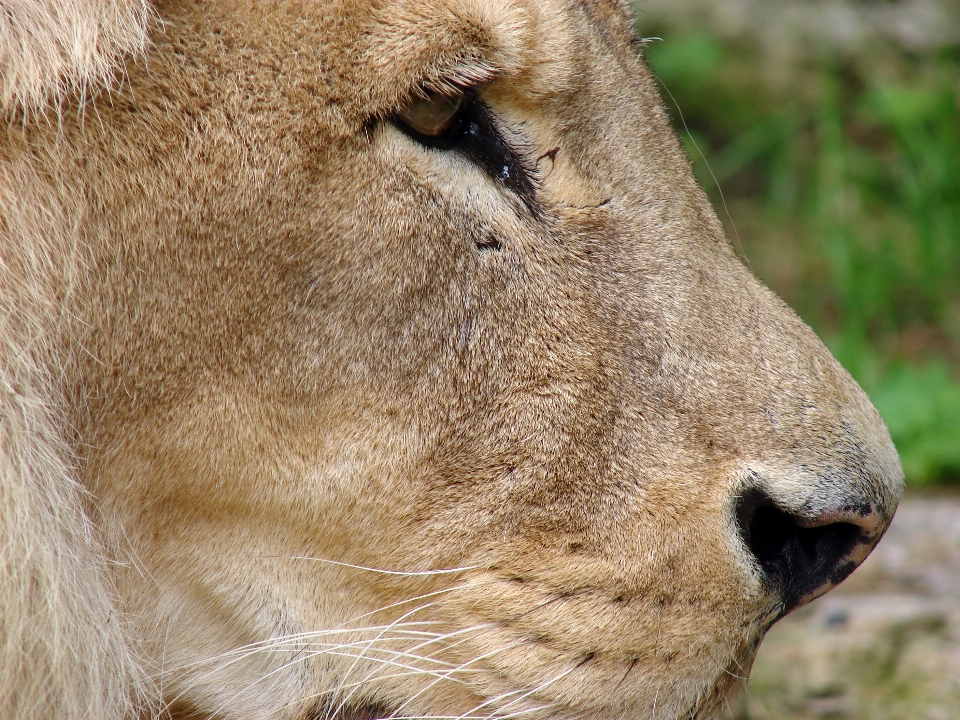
column 489, row 243
column 471, row 130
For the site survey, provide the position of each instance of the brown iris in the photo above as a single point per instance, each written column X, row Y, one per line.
column 431, row 115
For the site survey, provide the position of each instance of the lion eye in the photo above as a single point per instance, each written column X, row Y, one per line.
column 431, row 116
column 463, row 124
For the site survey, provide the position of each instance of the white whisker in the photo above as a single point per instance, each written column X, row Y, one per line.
column 518, row 713
column 316, row 696
column 354, row 665
column 416, row 634
column 401, row 573
column 528, row 693
column 277, row 645
column 305, row 638
column 337, row 652
column 409, row 600
column 459, row 668
column 466, row 717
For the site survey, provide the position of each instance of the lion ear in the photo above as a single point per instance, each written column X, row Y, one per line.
column 51, row 47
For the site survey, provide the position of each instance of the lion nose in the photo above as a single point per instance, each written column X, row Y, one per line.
column 804, row 553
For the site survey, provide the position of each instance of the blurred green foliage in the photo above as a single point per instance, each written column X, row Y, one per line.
column 840, row 177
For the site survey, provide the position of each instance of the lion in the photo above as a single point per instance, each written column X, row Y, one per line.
column 385, row 360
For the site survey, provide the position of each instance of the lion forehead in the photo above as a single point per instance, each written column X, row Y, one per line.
column 363, row 57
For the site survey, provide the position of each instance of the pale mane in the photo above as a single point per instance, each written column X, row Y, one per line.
column 62, row 652
column 51, row 47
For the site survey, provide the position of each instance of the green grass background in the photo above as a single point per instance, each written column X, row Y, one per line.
column 836, row 168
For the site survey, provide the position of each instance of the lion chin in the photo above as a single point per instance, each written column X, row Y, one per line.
column 385, row 360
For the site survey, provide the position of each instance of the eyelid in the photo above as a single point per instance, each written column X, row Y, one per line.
column 432, row 115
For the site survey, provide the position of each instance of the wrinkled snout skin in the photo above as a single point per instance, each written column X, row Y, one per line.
column 301, row 345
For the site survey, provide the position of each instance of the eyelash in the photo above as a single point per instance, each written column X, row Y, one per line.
column 474, row 134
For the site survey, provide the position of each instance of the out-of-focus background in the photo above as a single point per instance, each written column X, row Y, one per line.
column 827, row 133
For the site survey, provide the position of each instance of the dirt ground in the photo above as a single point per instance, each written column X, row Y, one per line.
column 885, row 645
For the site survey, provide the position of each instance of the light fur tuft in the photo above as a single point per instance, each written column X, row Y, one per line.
column 51, row 47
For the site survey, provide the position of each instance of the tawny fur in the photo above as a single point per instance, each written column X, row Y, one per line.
column 280, row 435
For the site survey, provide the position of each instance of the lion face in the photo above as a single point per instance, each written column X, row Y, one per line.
column 471, row 419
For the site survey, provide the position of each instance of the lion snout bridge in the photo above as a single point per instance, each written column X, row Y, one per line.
column 803, row 553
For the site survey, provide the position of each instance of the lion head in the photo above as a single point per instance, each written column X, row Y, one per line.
column 385, row 360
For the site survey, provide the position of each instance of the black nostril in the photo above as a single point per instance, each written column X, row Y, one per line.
column 796, row 557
